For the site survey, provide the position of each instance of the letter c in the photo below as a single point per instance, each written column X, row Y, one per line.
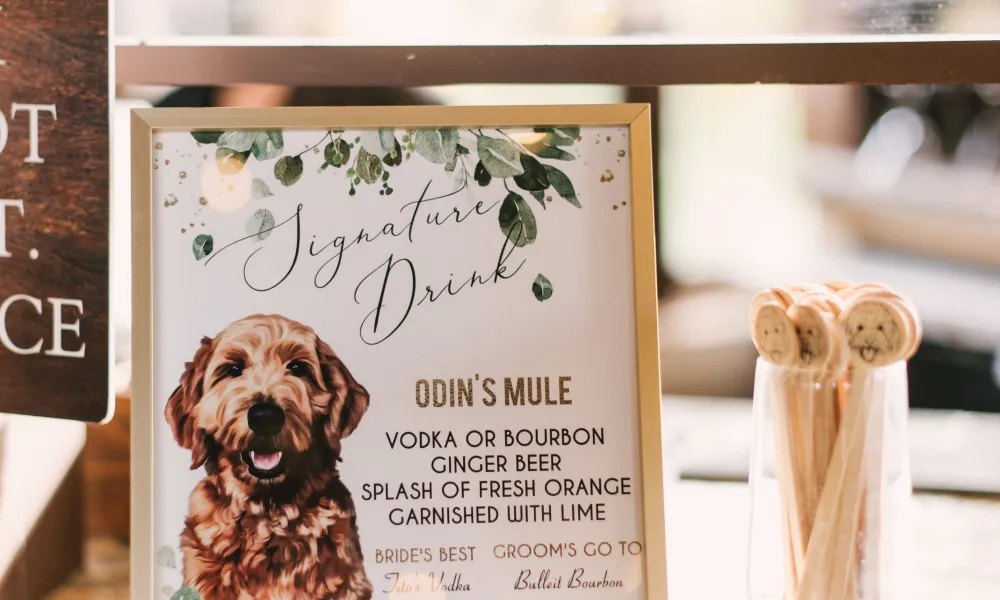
column 4, row 337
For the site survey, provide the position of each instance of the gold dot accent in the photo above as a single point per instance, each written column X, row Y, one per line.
column 183, row 175
column 159, row 146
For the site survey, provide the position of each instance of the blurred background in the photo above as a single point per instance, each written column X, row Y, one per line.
column 757, row 186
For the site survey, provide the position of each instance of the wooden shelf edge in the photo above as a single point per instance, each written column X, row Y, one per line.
column 627, row 61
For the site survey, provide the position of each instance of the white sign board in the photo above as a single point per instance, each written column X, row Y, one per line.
column 396, row 353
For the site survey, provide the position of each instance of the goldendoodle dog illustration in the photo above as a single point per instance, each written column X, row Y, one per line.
column 264, row 407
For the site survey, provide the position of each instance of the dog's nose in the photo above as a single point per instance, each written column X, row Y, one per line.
column 266, row 419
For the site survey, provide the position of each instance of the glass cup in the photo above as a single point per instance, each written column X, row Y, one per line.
column 830, row 484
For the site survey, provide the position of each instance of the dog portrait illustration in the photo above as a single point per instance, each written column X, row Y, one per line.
column 874, row 332
column 264, row 407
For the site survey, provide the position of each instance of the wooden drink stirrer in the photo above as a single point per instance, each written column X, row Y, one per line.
column 892, row 334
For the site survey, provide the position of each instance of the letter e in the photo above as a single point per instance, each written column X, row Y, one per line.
column 58, row 327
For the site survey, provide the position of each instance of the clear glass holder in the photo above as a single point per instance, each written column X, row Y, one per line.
column 830, row 484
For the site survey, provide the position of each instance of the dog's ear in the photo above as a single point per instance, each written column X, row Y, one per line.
column 349, row 399
column 182, row 403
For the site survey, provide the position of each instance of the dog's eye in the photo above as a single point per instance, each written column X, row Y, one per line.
column 234, row 370
column 298, row 368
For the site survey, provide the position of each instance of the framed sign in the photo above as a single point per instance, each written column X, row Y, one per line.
column 54, row 211
column 395, row 352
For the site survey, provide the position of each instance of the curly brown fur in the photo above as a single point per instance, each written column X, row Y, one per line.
column 271, row 519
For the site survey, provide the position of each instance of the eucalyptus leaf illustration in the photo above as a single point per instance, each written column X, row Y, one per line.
column 559, row 136
column 517, row 221
column 395, row 156
column 260, row 225
column 378, row 142
column 540, row 196
column 544, row 150
column 206, row 137
column 230, row 161
column 369, row 167
column 337, row 153
column 387, row 139
column 562, row 185
column 541, row 288
column 241, row 141
column 268, row 145
column 451, row 164
column 202, row 246
column 165, row 557
column 259, row 189
column 500, row 157
column 460, row 149
column 483, row 177
column 288, row 169
column 186, row 593
column 534, row 177
column 439, row 146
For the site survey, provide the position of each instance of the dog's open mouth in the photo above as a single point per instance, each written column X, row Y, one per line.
column 869, row 353
column 265, row 464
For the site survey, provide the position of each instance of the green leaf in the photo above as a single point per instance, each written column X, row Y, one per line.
column 260, row 225
column 378, row 142
column 202, row 246
column 483, row 177
column 395, row 156
column 268, row 145
column 369, row 166
column 259, row 189
column 230, row 161
column 451, row 164
column 206, row 137
column 500, row 157
column 439, row 146
column 387, row 139
column 337, row 153
column 562, row 185
column 241, row 141
column 540, row 196
column 517, row 221
column 534, row 177
column 559, row 136
column 186, row 593
column 371, row 142
column 541, row 288
column 288, row 169
column 462, row 149
column 543, row 150
column 165, row 557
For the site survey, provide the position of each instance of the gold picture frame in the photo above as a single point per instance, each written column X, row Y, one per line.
column 146, row 122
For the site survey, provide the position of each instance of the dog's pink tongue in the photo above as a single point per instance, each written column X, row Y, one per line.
column 266, row 461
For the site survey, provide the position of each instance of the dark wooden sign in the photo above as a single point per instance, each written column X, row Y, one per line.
column 54, row 212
